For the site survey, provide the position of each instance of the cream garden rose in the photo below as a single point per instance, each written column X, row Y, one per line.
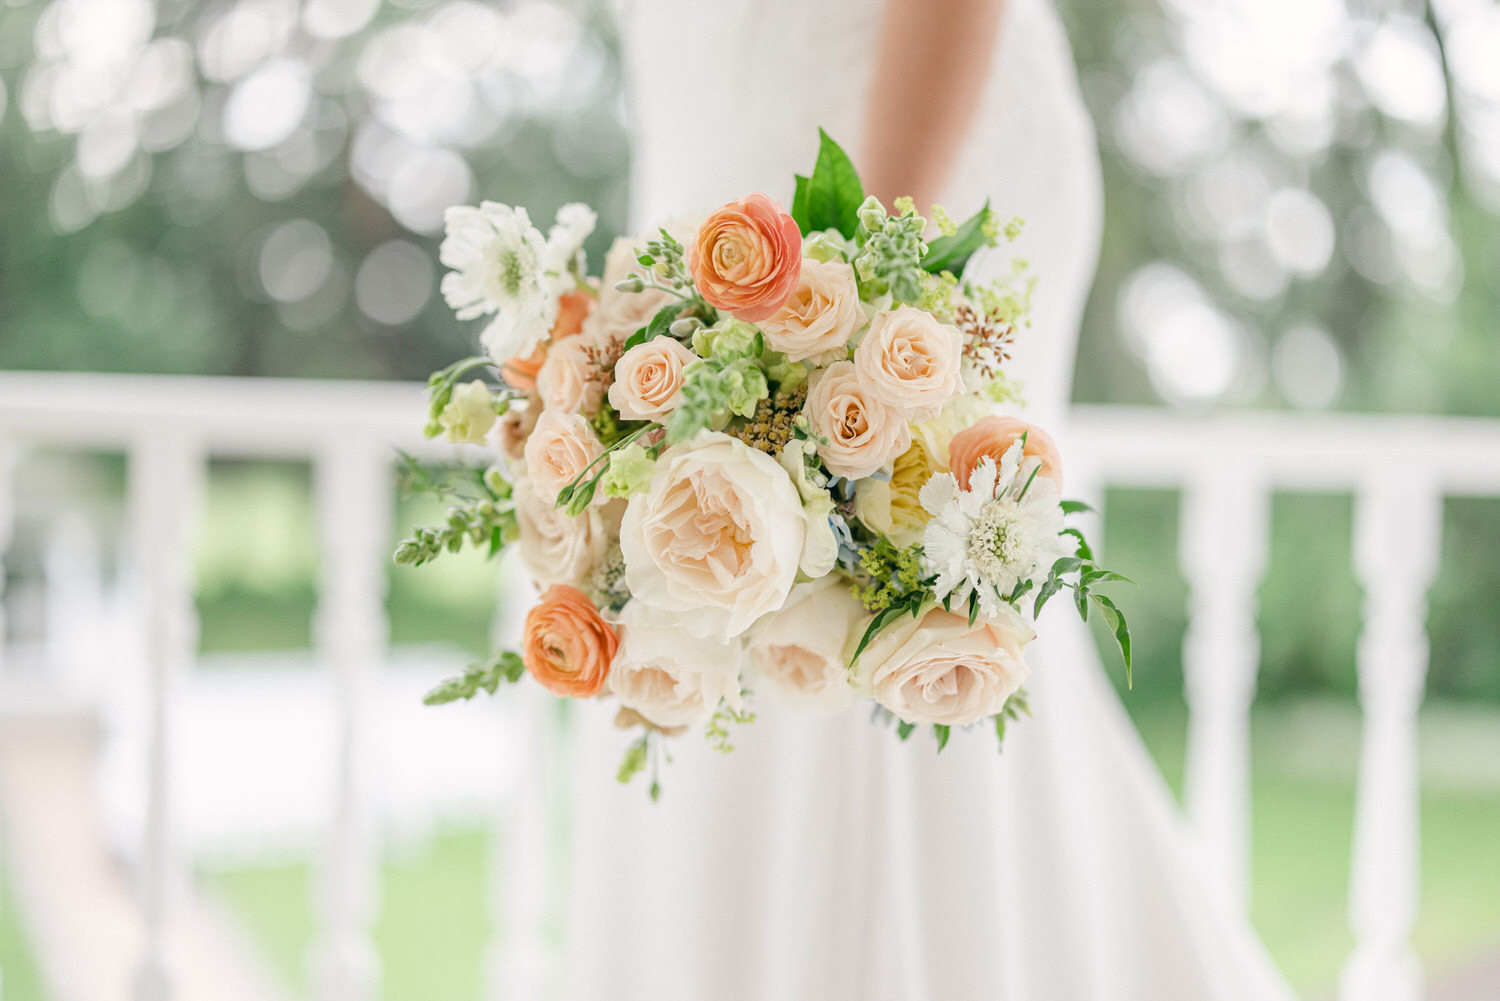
column 718, row 535
column 911, row 361
column 668, row 676
column 560, row 447
column 939, row 669
column 570, row 379
column 557, row 548
column 798, row 652
column 822, row 314
column 648, row 379
column 858, row 431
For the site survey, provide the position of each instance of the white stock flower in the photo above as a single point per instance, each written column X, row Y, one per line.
column 990, row 537
column 718, row 536
column 668, row 675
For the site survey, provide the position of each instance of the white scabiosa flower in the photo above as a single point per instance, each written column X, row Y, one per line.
column 501, row 264
column 575, row 221
column 1004, row 529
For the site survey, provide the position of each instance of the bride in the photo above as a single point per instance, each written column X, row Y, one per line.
column 823, row 859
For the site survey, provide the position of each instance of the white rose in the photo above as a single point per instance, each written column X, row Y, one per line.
column 570, row 380
column 648, row 379
column 718, row 534
column 822, row 314
column 939, row 669
column 556, row 548
column 798, row 653
column 863, row 433
column 669, row 676
column 911, row 361
column 561, row 446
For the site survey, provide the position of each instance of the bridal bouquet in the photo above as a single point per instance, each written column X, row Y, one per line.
column 758, row 456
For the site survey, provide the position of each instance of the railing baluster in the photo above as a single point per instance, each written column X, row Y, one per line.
column 520, row 863
column 1223, row 546
column 165, row 478
column 354, row 498
column 7, row 520
column 1397, row 536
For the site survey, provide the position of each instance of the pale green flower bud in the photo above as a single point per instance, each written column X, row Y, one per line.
column 469, row 415
column 629, row 472
column 730, row 340
column 828, row 245
column 872, row 214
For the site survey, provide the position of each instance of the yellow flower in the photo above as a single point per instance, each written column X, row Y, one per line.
column 891, row 507
column 469, row 415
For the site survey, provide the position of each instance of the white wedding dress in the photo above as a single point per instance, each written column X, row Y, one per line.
column 824, row 860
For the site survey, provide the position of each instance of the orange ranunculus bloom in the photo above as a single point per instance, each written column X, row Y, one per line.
column 572, row 309
column 992, row 437
column 568, row 646
column 746, row 257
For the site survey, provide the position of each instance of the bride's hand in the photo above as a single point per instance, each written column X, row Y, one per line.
column 933, row 63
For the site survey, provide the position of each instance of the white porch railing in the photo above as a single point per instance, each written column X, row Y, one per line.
column 1398, row 468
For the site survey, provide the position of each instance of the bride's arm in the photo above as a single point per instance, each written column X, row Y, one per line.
column 933, row 62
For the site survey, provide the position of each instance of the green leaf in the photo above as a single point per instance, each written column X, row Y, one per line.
column 833, row 193
column 903, row 730
column 799, row 205
column 952, row 253
column 634, row 761
column 1066, row 565
column 973, row 608
column 1081, row 602
column 942, row 732
column 1044, row 594
column 1099, row 575
column 1115, row 619
column 660, row 325
column 1084, row 551
column 1074, row 507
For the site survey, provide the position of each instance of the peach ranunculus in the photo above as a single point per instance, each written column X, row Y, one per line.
column 567, row 646
column 718, row 535
column 822, row 314
column 746, row 257
column 798, row 652
column 910, row 360
column 648, row 379
column 993, row 437
column 571, row 379
column 939, row 669
column 862, row 432
column 669, row 676
column 572, row 309
column 557, row 548
column 560, row 447
column 621, row 314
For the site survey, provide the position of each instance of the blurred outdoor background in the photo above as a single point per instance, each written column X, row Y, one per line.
column 1302, row 197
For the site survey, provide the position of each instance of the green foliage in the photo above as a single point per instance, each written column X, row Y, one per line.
column 831, row 197
column 713, row 390
column 952, row 253
column 887, row 574
column 490, row 522
column 717, row 731
column 941, row 731
column 504, row 667
column 660, row 325
column 891, row 252
column 1015, row 707
column 440, row 386
column 634, row 762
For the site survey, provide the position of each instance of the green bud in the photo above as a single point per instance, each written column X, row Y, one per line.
column 629, row 472
column 634, row 283
column 729, row 340
column 827, row 245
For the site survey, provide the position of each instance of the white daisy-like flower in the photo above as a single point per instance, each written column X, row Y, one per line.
column 501, row 264
column 991, row 537
column 575, row 221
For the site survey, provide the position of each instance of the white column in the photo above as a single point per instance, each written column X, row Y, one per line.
column 1397, row 536
column 354, row 498
column 165, row 482
column 1222, row 548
